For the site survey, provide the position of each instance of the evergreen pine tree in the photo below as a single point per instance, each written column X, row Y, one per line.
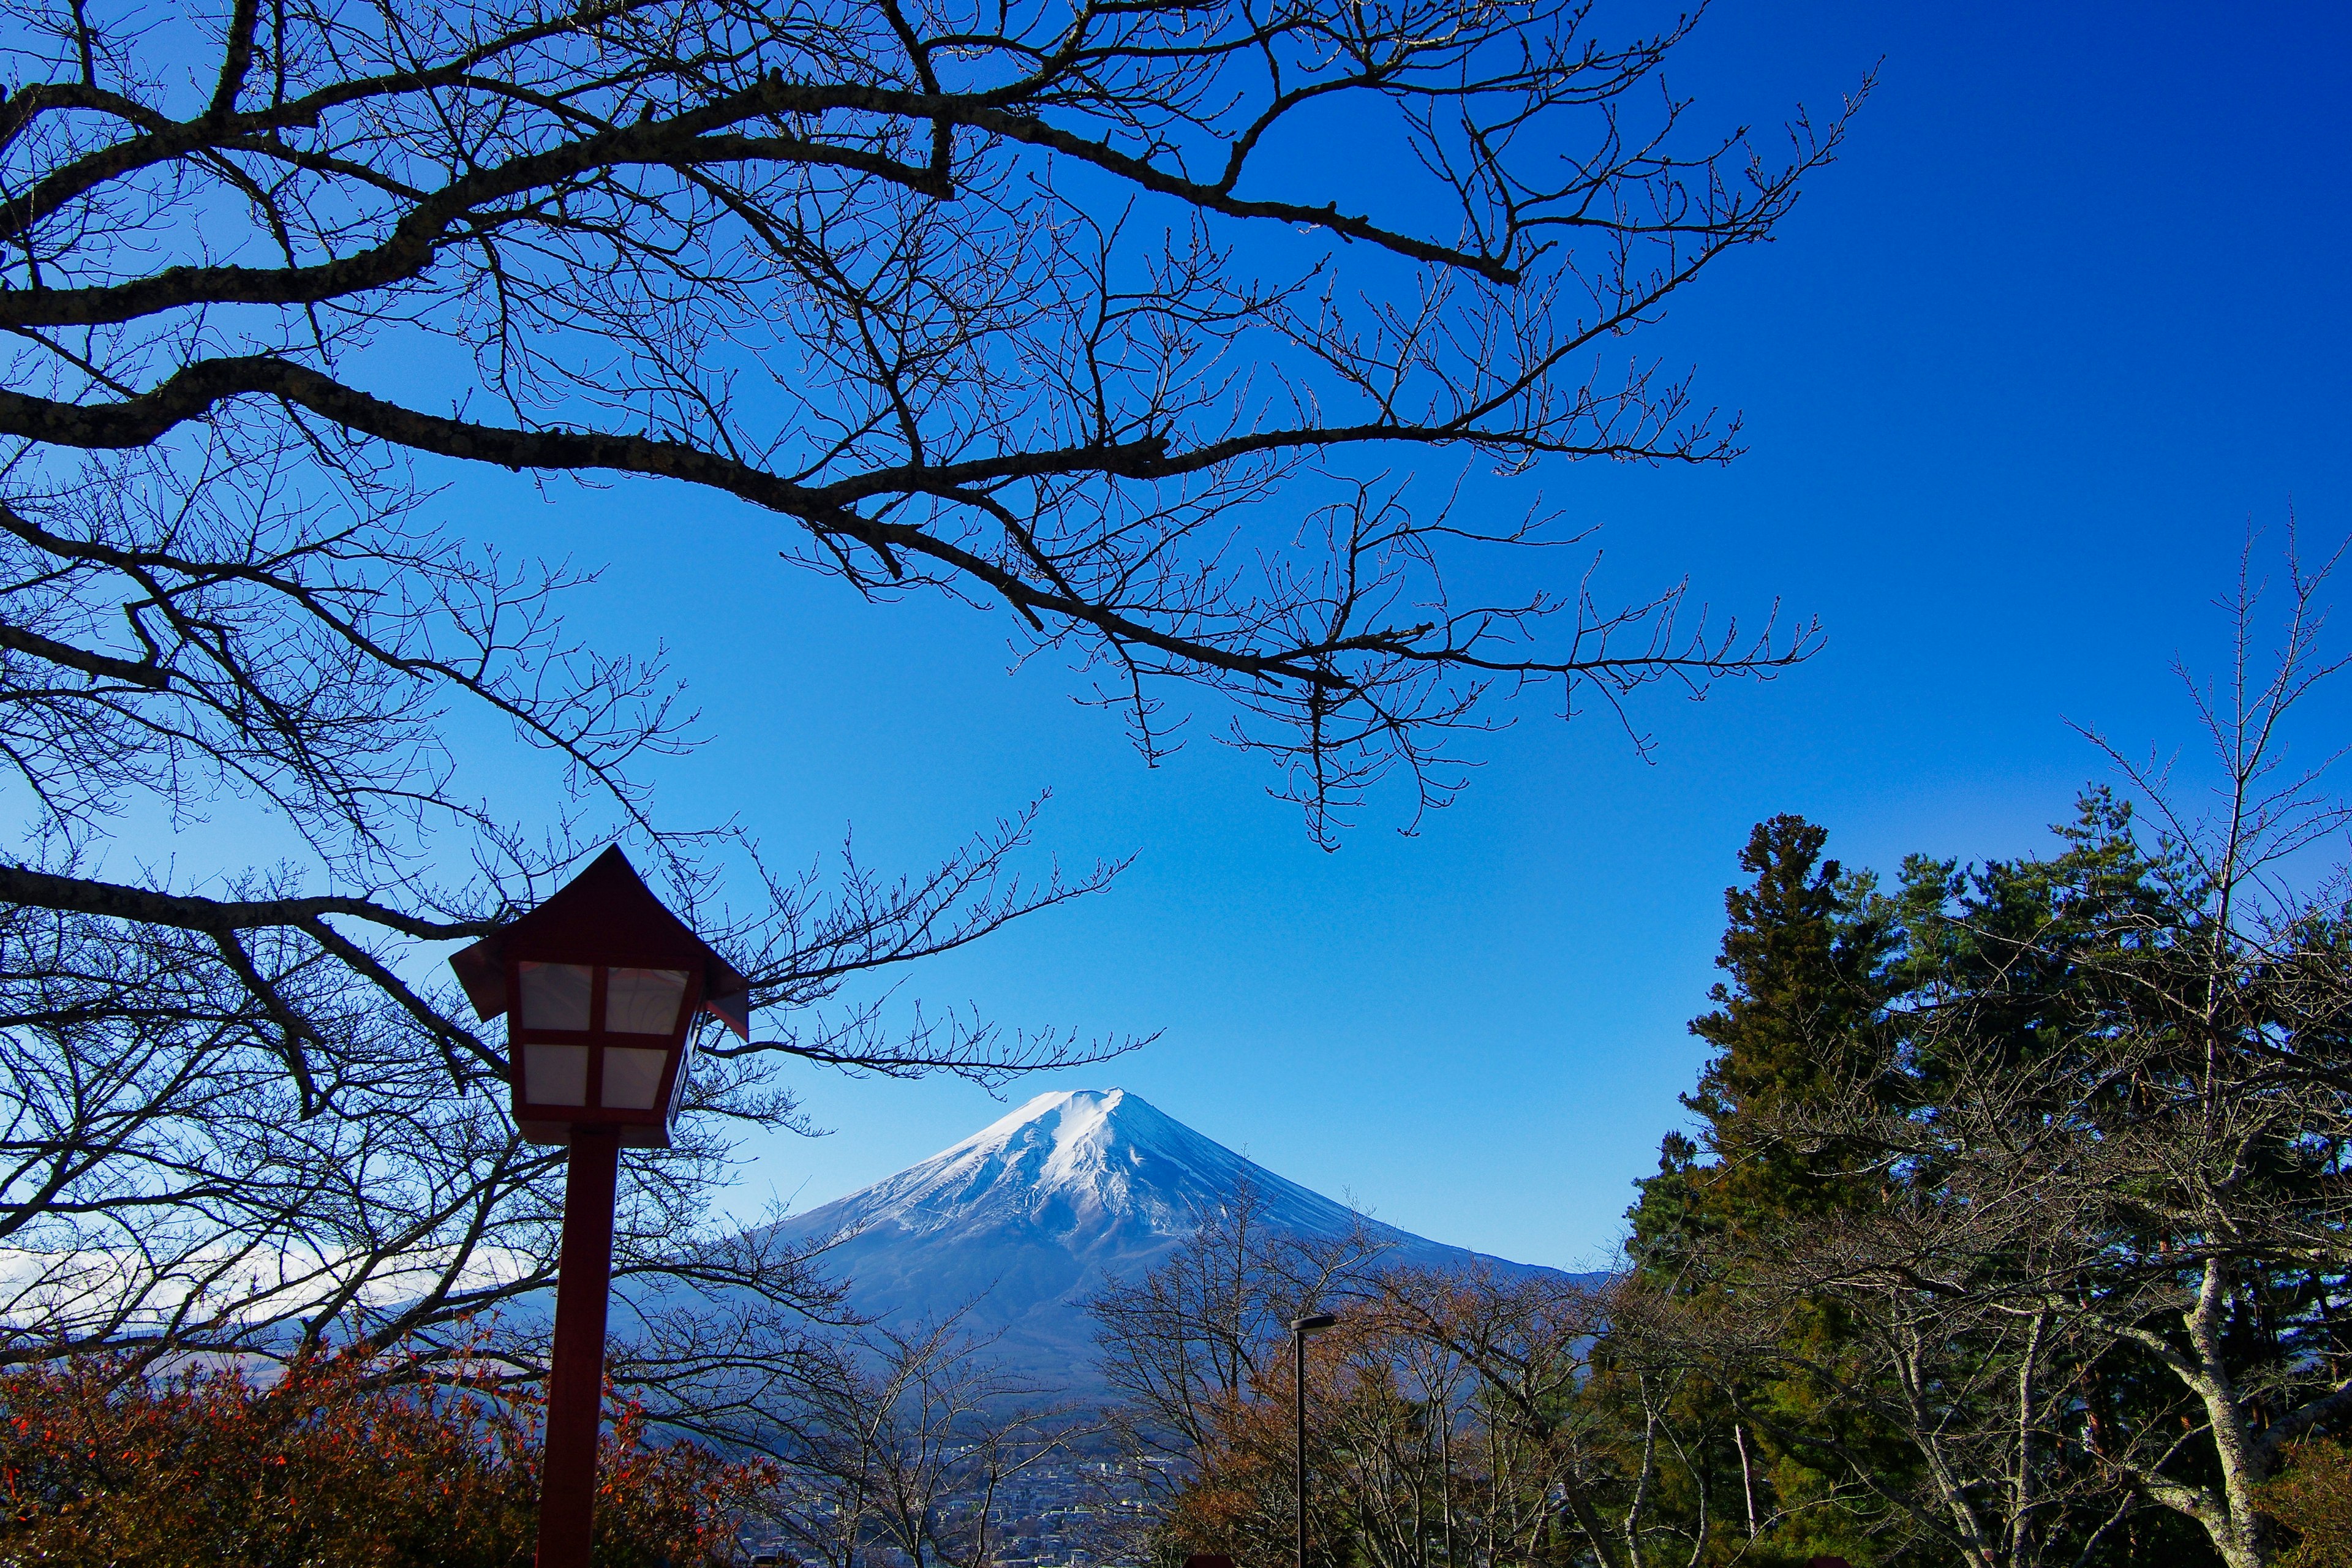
column 1806, row 957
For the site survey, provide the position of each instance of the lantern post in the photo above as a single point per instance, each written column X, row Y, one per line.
column 1313, row 1323
column 600, row 986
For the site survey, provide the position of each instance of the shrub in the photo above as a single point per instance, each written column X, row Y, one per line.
column 2313, row 1497
column 354, row 1460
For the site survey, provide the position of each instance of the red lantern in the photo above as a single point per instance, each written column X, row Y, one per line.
column 600, row 986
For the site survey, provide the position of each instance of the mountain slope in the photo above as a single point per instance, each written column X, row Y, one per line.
column 1024, row 1219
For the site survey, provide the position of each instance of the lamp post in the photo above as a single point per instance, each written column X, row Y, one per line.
column 600, row 985
column 1314, row 1323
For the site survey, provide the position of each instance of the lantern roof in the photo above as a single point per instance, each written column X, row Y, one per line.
column 606, row 914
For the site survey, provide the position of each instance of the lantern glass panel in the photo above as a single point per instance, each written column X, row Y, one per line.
column 643, row 1001
column 677, row 1084
column 555, row 1075
column 633, row 1078
column 555, row 996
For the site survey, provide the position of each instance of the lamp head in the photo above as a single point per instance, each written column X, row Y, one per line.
column 1313, row 1324
column 600, row 985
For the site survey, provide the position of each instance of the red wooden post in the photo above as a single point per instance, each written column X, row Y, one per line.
column 600, row 986
column 575, row 1384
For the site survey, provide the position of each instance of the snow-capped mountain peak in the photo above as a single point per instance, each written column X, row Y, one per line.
column 1018, row 1224
column 1080, row 1160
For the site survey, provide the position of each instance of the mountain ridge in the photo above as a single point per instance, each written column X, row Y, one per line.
column 1015, row 1226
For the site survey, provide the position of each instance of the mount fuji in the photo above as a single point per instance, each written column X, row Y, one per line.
column 1019, row 1223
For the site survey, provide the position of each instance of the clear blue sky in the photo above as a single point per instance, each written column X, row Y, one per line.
column 2067, row 317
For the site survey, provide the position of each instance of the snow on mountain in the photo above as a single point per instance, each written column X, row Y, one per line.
column 1023, row 1220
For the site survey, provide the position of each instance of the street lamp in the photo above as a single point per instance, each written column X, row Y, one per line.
column 1314, row 1323
column 600, row 985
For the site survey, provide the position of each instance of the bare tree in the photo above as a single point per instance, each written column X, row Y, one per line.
column 1199, row 1349
column 244, row 1107
column 1035, row 307
column 1046, row 307
column 1207, row 1332
column 903, row 1452
column 204, row 1157
column 1521, row 1348
column 2191, row 1168
column 1445, row 1426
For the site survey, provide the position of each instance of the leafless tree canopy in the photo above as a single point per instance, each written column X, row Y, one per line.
column 907, row 1447
column 243, row 1105
column 1079, row 310
column 1060, row 309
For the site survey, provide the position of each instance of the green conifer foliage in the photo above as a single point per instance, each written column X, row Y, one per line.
column 1793, row 1021
column 1805, row 956
column 1965, row 1159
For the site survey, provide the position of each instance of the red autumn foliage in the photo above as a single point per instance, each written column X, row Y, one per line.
column 365, row 1462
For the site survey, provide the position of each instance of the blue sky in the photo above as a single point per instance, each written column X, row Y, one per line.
column 2067, row 318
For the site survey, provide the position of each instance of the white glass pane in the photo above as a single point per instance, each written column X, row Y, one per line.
column 643, row 1001
column 632, row 1078
column 555, row 996
column 678, row 1085
column 555, row 1075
